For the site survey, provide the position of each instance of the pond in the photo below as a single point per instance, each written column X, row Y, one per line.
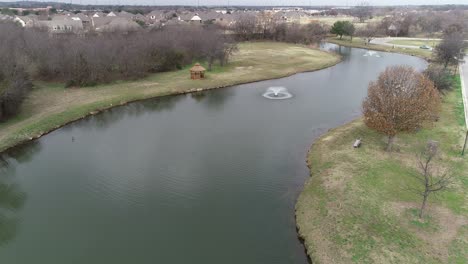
column 204, row 178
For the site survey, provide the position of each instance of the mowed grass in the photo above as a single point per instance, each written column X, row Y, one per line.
column 357, row 207
column 51, row 105
column 416, row 43
column 360, row 43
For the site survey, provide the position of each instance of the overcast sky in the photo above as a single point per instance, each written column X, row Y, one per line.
column 262, row 2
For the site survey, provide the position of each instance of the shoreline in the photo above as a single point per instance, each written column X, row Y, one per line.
column 116, row 102
column 404, row 51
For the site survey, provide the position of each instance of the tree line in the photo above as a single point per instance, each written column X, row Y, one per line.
column 265, row 26
column 29, row 54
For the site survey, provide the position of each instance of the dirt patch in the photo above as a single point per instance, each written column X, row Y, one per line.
column 438, row 239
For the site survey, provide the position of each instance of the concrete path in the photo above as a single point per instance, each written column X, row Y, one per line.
column 464, row 83
column 386, row 42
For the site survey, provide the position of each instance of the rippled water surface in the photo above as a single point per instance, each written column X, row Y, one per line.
column 203, row 178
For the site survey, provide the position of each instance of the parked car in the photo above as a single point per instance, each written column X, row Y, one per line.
column 426, row 47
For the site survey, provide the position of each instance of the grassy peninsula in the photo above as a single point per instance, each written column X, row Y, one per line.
column 357, row 206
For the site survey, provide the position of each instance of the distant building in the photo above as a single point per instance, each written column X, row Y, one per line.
column 196, row 19
column 110, row 24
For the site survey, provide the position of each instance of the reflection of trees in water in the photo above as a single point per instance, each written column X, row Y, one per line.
column 345, row 52
column 104, row 119
column 11, row 201
column 213, row 98
column 11, row 197
column 22, row 153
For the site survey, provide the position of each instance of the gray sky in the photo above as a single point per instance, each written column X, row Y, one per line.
column 261, row 2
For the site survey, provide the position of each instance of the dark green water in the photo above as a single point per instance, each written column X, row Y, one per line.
column 206, row 178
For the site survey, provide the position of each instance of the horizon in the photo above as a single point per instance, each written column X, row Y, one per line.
column 254, row 3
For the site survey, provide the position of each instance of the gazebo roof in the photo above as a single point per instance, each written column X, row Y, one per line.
column 197, row 68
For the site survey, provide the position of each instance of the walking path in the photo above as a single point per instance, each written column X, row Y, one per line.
column 464, row 84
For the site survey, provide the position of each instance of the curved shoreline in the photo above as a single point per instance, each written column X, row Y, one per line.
column 404, row 51
column 115, row 102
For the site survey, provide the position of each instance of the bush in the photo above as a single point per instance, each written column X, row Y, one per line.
column 440, row 76
column 14, row 87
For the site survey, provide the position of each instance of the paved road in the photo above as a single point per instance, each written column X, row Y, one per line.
column 464, row 81
column 385, row 41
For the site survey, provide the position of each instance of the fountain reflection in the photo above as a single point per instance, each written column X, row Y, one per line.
column 371, row 53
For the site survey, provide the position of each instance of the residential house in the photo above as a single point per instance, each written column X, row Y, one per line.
column 157, row 16
column 109, row 24
column 99, row 14
column 62, row 26
column 25, row 21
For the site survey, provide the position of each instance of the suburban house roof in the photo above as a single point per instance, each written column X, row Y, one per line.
column 195, row 18
column 114, row 23
column 61, row 26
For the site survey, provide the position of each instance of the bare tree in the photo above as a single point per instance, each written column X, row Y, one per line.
column 401, row 100
column 266, row 23
column 451, row 49
column 362, row 11
column 440, row 76
column 430, row 182
column 369, row 32
column 245, row 26
column 349, row 30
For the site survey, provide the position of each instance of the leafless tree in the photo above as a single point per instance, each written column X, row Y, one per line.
column 369, row 32
column 362, row 11
column 266, row 23
column 451, row 49
column 430, row 183
column 401, row 100
column 245, row 27
column 440, row 76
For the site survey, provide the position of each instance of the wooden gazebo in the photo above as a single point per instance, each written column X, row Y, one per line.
column 197, row 72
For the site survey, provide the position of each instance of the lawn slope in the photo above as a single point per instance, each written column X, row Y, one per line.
column 357, row 206
column 360, row 43
column 50, row 106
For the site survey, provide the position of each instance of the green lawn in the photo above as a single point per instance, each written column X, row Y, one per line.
column 360, row 43
column 51, row 105
column 417, row 43
column 357, row 206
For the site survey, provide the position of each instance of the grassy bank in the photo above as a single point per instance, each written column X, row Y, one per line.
column 360, row 43
column 357, row 206
column 50, row 105
column 415, row 42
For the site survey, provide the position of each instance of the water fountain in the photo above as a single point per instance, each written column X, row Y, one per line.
column 371, row 53
column 277, row 93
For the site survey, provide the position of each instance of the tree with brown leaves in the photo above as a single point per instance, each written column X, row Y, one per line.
column 401, row 100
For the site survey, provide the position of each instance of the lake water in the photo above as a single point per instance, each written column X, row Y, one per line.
column 203, row 178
